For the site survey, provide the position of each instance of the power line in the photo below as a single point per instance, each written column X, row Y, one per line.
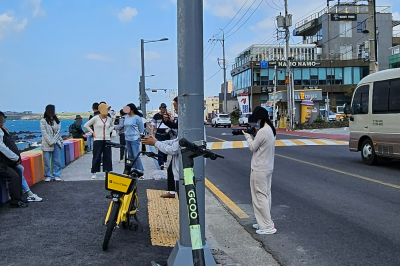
column 271, row 6
column 245, row 21
column 213, row 75
column 235, row 15
column 241, row 17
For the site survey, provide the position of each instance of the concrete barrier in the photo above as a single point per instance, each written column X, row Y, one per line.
column 71, row 150
column 65, row 150
column 37, row 165
column 26, row 163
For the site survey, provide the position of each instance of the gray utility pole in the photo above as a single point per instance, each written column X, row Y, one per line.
column 191, row 104
column 225, row 109
column 373, row 49
column 290, row 102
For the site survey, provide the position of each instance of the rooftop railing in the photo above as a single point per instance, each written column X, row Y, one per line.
column 343, row 9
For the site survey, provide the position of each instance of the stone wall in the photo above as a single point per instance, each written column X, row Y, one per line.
column 333, row 124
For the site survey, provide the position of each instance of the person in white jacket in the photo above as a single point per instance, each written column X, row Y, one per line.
column 262, row 166
column 103, row 126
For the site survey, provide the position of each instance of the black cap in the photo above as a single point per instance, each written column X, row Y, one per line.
column 1, row 113
column 258, row 113
column 163, row 105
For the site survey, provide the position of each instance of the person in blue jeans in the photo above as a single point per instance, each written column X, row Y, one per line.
column 133, row 128
column 25, row 188
column 52, row 143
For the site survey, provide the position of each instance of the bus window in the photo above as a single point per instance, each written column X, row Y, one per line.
column 394, row 98
column 380, row 100
column 360, row 100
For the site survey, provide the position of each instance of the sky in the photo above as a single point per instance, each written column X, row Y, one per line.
column 72, row 53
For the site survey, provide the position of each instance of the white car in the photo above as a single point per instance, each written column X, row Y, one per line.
column 332, row 115
column 244, row 119
column 221, row 120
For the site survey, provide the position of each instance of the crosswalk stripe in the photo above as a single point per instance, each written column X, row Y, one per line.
column 278, row 143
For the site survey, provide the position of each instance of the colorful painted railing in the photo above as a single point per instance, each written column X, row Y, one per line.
column 33, row 163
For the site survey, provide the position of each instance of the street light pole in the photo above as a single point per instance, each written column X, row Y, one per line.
column 142, row 81
column 143, row 98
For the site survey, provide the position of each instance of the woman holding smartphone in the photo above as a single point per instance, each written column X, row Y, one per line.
column 262, row 166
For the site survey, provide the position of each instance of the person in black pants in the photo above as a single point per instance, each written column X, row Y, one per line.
column 172, row 187
column 160, row 129
column 9, row 159
column 121, row 133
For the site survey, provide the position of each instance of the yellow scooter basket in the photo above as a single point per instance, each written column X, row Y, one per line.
column 119, row 182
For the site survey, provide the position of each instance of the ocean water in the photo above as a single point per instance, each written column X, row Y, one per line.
column 33, row 126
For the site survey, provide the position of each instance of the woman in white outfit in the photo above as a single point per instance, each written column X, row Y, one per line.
column 262, row 166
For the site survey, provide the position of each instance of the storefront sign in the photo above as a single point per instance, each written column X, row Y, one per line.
column 296, row 63
column 305, row 96
column 341, row 17
column 264, row 64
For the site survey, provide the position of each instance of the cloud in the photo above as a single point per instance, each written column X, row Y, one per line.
column 227, row 8
column 22, row 25
column 98, row 57
column 127, row 14
column 8, row 24
column 37, row 11
column 148, row 55
column 396, row 16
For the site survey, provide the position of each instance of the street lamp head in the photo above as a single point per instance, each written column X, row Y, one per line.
column 163, row 39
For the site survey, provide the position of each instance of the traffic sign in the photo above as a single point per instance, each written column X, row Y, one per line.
column 264, row 64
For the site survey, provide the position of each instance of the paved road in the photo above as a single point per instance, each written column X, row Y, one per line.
column 328, row 207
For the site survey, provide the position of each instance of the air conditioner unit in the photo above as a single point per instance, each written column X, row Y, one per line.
column 366, row 44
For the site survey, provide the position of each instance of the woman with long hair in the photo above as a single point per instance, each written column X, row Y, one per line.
column 262, row 166
column 133, row 127
column 52, row 143
column 102, row 127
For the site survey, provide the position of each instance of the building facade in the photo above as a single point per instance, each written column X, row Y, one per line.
column 332, row 56
column 394, row 58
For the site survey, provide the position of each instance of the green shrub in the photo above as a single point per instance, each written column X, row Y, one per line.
column 319, row 119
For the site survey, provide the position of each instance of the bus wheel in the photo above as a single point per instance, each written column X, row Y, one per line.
column 368, row 152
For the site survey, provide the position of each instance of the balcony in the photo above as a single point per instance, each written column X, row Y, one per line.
column 313, row 23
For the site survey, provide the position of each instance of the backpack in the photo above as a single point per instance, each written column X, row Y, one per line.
column 70, row 128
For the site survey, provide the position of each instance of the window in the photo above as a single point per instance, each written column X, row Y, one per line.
column 359, row 27
column 345, row 29
column 338, row 75
column 264, row 77
column 347, row 79
column 356, row 75
column 322, row 76
column 313, row 76
column 380, row 100
column 306, row 76
column 297, row 76
column 394, row 98
column 346, row 51
column 360, row 100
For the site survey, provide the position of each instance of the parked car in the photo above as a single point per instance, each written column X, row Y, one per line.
column 221, row 120
column 332, row 115
column 244, row 119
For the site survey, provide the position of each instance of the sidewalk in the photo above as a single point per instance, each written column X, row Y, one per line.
column 67, row 227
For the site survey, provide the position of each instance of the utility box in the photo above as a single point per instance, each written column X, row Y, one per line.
column 288, row 20
column 280, row 21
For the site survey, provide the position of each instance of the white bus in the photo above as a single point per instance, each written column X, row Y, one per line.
column 375, row 116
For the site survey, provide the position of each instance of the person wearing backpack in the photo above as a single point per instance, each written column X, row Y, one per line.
column 9, row 160
column 75, row 129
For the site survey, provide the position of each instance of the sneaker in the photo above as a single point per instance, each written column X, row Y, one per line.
column 94, row 176
column 34, row 197
column 121, row 161
column 162, row 167
column 47, row 179
column 165, row 165
column 255, row 226
column 57, row 179
column 268, row 231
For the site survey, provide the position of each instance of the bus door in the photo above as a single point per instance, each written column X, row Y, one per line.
column 359, row 119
